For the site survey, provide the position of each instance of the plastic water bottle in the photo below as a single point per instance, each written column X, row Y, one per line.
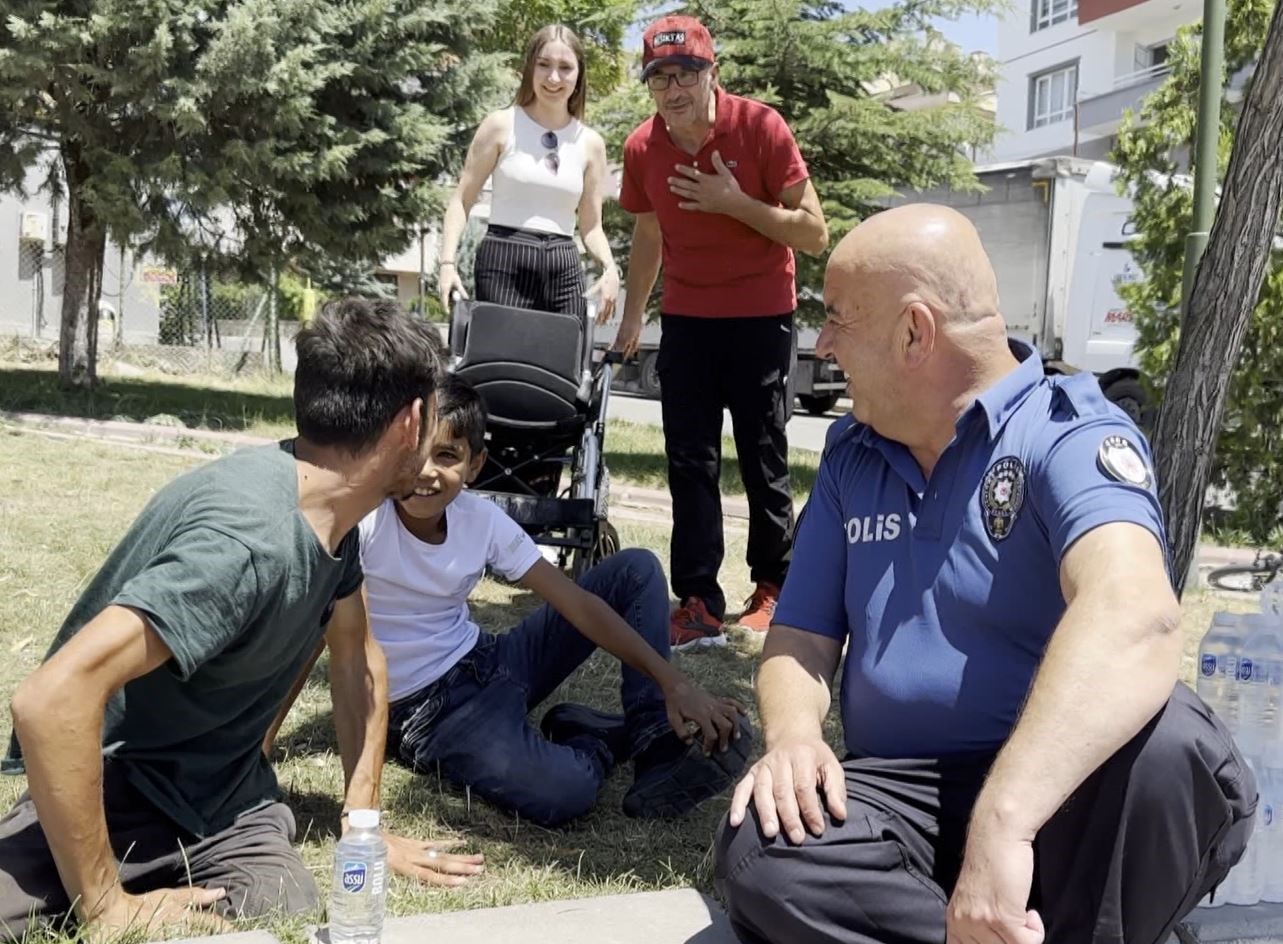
column 1218, row 667
column 360, row 867
column 1244, row 883
column 1269, row 836
column 1260, row 674
column 1272, row 598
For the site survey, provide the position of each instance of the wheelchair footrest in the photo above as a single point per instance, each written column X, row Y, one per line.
column 527, row 510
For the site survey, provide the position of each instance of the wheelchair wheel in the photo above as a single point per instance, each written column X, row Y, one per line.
column 607, row 543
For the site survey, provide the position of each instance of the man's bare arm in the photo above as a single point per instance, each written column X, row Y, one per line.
column 794, row 692
column 58, row 714
column 798, row 224
column 643, row 269
column 643, row 263
column 1109, row 668
column 359, row 691
column 269, row 739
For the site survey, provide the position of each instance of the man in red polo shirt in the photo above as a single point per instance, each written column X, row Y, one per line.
column 722, row 196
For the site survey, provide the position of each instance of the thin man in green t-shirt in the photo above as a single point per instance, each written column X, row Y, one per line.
column 142, row 732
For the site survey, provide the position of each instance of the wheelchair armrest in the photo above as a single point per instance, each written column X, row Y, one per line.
column 460, row 320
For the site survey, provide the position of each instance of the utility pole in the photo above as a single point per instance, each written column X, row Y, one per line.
column 1206, row 142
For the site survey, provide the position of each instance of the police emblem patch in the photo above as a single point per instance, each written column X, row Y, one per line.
column 1122, row 462
column 1002, row 493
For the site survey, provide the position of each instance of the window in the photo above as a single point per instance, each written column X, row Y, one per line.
column 1151, row 57
column 1050, row 12
column 1052, row 95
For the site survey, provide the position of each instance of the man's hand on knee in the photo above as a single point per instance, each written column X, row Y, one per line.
column 785, row 787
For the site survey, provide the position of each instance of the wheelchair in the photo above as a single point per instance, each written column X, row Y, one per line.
column 545, row 401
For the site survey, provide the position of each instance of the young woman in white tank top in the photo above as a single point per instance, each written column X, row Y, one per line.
column 547, row 169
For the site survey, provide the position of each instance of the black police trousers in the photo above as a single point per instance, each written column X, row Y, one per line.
column 1132, row 851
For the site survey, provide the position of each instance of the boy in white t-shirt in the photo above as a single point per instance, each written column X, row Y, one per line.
column 460, row 697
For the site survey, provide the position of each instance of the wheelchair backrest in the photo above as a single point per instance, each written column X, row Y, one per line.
column 530, row 367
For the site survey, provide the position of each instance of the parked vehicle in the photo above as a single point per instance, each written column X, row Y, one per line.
column 1057, row 231
column 816, row 383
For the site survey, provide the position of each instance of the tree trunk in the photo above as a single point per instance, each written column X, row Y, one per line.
column 82, row 283
column 1226, row 290
column 273, row 322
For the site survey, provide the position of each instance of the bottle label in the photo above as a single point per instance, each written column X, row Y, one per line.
column 1208, row 666
column 1245, row 670
column 353, row 876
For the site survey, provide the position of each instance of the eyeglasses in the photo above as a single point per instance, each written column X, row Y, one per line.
column 684, row 79
column 551, row 160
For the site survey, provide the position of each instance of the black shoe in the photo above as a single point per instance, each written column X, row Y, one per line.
column 673, row 777
column 567, row 721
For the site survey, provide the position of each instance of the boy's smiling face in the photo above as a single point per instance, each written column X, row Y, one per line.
column 450, row 466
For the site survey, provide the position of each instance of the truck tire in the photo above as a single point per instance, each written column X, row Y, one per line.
column 817, row 404
column 1128, row 394
column 648, row 375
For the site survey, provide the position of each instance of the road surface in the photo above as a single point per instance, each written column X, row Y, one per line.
column 805, row 432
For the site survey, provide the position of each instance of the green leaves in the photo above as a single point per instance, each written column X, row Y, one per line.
column 1249, row 450
column 301, row 128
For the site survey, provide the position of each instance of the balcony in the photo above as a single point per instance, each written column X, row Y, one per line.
column 1130, row 15
column 1102, row 114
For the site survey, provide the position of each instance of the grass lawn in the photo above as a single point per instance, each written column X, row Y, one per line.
column 64, row 504
column 263, row 407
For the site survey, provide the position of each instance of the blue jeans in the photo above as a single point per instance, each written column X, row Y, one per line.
column 471, row 724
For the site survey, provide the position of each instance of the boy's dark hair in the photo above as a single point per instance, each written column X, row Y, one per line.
column 459, row 406
column 360, row 362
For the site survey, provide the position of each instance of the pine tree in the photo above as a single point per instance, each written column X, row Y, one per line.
column 264, row 129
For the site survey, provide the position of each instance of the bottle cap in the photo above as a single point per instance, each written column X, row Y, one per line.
column 363, row 819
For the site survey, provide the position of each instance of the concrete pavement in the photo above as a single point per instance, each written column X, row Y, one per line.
column 685, row 916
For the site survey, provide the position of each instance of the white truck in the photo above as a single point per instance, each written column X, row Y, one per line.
column 1056, row 231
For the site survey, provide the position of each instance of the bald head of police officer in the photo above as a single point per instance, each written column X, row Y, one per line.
column 986, row 544
column 913, row 319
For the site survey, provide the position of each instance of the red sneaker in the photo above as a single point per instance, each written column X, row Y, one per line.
column 692, row 627
column 760, row 608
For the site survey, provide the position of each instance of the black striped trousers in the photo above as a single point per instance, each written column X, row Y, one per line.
column 525, row 269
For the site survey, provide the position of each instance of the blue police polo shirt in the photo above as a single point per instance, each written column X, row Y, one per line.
column 947, row 590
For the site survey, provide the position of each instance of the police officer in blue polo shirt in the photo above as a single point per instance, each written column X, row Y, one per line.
column 1022, row 764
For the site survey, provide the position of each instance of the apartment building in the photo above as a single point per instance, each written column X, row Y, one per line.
column 1068, row 69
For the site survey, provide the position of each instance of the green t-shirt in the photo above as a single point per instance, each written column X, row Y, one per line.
column 237, row 584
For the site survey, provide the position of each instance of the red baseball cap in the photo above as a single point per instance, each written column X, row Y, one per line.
column 676, row 40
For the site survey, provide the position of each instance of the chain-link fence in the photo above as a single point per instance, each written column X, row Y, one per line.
column 151, row 317
column 36, row 305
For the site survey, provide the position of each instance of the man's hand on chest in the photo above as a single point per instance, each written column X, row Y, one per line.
column 717, row 192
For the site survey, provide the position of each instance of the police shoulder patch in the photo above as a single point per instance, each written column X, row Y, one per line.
column 1002, row 493
column 1120, row 460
